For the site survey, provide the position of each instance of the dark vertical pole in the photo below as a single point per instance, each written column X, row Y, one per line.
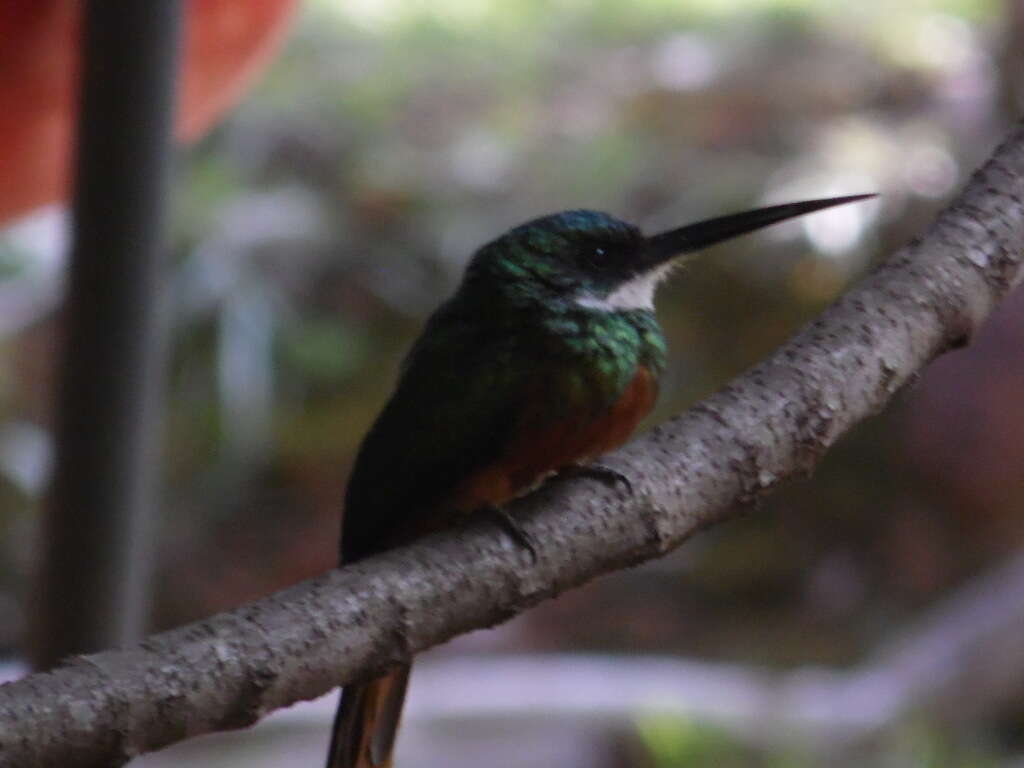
column 97, row 531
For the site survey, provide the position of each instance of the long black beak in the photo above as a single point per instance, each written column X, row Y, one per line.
column 694, row 237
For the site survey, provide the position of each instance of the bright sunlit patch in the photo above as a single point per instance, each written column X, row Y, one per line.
column 26, row 456
column 480, row 159
column 849, row 156
column 836, row 230
column 930, row 171
column 942, row 42
column 30, row 282
column 684, row 62
column 899, row 27
column 380, row 15
column 371, row 14
column 44, row 232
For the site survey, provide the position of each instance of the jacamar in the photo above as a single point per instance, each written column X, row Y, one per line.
column 547, row 356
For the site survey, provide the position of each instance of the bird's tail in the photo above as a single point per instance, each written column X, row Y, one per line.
column 367, row 721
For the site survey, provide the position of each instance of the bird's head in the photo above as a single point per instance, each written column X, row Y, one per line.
column 598, row 261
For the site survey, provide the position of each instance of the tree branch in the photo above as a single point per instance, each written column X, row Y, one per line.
column 775, row 420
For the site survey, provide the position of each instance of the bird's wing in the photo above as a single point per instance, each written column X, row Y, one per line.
column 452, row 412
column 479, row 416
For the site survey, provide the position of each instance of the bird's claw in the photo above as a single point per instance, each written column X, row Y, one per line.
column 514, row 530
column 599, row 471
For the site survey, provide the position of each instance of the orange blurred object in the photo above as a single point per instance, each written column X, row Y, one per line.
column 226, row 43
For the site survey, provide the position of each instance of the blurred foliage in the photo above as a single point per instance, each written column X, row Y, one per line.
column 318, row 227
column 674, row 743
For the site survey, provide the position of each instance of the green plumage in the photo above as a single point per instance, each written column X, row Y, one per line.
column 512, row 333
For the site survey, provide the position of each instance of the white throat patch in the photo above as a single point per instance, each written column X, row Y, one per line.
column 637, row 293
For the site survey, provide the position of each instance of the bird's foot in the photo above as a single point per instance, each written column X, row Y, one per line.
column 598, row 471
column 508, row 524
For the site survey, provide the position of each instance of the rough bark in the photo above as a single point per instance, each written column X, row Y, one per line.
column 701, row 467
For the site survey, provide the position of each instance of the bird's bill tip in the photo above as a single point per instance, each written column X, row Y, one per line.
column 694, row 237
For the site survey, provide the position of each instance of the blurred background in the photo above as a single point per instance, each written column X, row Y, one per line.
column 870, row 615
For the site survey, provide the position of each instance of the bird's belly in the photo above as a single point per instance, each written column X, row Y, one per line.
column 542, row 447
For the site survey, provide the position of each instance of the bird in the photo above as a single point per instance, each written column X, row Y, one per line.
column 547, row 356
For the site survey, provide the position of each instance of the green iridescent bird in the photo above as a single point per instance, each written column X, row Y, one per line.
column 547, row 356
